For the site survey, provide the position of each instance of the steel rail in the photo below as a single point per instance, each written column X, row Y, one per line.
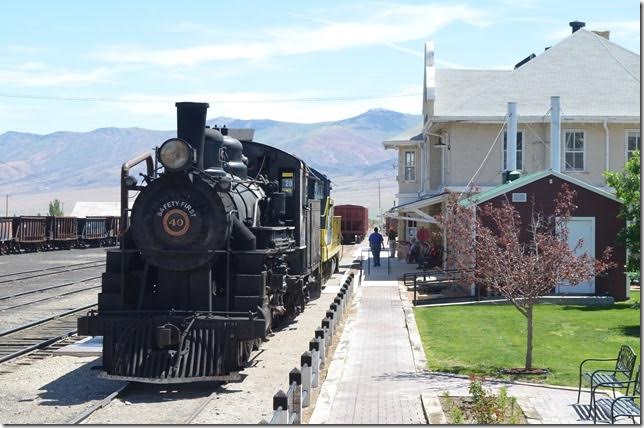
column 39, row 290
column 44, row 299
column 64, row 331
column 6, row 332
column 98, row 405
column 51, row 273
column 49, row 268
column 200, row 408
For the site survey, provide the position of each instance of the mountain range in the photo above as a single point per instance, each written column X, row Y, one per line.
column 60, row 161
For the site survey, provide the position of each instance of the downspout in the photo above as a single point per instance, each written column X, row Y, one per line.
column 423, row 150
column 606, row 146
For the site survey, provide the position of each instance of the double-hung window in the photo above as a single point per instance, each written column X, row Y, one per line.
column 410, row 166
column 519, row 150
column 632, row 143
column 574, row 150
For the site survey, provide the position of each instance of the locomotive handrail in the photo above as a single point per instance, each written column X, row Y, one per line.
column 125, row 173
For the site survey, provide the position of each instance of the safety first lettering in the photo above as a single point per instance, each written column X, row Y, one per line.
column 185, row 206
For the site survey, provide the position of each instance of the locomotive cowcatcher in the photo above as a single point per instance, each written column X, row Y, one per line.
column 223, row 243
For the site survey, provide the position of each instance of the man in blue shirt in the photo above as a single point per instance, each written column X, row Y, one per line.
column 376, row 242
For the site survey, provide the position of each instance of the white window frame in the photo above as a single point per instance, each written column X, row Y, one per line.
column 626, row 132
column 504, row 150
column 564, row 134
column 405, row 166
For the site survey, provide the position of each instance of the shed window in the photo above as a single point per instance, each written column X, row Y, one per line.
column 632, row 143
column 519, row 150
column 410, row 166
column 574, row 152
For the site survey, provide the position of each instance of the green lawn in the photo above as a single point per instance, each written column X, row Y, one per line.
column 482, row 339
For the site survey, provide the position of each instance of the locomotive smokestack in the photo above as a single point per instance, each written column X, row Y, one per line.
column 191, row 125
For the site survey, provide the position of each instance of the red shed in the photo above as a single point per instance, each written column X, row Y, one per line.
column 595, row 220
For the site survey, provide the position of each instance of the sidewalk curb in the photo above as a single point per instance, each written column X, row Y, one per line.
column 417, row 350
column 510, row 382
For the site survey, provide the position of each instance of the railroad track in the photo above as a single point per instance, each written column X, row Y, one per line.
column 44, row 289
column 36, row 273
column 122, row 392
column 98, row 405
column 25, row 338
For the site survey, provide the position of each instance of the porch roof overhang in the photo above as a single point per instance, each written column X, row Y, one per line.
column 412, row 210
column 410, row 138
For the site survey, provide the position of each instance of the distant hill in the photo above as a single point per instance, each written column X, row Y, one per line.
column 331, row 147
column 32, row 163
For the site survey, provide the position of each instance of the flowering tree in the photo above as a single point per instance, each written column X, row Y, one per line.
column 521, row 261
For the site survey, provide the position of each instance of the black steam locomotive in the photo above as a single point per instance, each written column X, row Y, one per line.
column 224, row 242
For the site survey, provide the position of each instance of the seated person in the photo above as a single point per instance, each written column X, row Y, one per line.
column 414, row 252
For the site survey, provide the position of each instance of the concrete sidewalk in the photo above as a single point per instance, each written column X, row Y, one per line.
column 372, row 377
column 378, row 373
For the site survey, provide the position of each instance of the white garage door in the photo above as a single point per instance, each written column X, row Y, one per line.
column 580, row 228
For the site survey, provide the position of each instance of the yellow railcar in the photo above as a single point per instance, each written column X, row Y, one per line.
column 330, row 239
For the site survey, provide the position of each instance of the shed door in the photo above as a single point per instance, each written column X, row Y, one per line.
column 581, row 228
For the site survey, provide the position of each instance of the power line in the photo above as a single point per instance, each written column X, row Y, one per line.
column 220, row 101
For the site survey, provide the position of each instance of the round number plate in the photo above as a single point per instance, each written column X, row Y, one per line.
column 176, row 222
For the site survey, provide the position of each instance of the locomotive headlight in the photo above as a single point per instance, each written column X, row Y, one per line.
column 175, row 155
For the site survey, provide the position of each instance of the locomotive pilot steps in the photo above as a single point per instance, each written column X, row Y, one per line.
column 226, row 239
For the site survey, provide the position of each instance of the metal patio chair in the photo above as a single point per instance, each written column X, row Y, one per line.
column 620, row 406
column 616, row 378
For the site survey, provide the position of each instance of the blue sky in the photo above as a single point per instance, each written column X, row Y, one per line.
column 260, row 59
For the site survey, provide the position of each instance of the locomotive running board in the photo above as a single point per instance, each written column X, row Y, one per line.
column 232, row 377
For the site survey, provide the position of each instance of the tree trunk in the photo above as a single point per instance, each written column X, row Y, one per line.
column 528, row 354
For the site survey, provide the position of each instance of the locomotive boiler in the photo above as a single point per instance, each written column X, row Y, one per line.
column 223, row 243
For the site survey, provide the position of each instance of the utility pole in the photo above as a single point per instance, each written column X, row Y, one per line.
column 380, row 207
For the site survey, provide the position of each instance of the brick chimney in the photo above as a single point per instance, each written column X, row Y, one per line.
column 576, row 25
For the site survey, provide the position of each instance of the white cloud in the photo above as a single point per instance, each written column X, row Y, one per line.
column 265, row 105
column 32, row 74
column 393, row 24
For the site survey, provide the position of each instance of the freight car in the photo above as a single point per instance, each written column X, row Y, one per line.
column 61, row 232
column 92, row 231
column 7, row 243
column 355, row 222
column 224, row 241
column 36, row 233
column 30, row 233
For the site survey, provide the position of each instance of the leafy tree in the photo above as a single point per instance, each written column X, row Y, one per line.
column 627, row 186
column 54, row 208
column 486, row 244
